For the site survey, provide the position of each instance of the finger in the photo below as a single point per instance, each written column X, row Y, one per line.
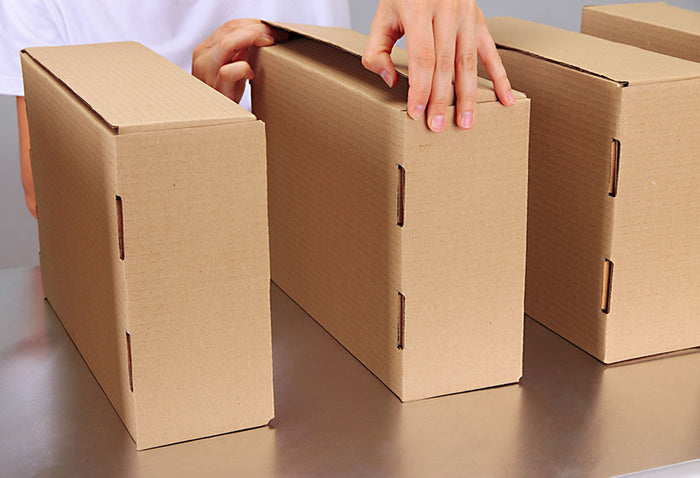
column 377, row 54
column 420, row 44
column 224, row 46
column 231, row 79
column 276, row 33
column 445, row 31
column 243, row 38
column 465, row 76
column 493, row 63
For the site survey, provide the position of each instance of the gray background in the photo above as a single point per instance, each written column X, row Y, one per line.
column 18, row 233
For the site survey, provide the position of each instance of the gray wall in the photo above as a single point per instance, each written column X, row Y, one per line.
column 18, row 236
column 559, row 13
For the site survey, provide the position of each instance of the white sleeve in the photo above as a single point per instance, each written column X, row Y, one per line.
column 23, row 23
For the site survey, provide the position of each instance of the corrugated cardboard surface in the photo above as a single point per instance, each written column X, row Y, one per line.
column 654, row 26
column 336, row 138
column 151, row 82
column 582, row 100
column 192, row 288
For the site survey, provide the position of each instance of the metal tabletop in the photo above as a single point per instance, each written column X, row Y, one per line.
column 569, row 416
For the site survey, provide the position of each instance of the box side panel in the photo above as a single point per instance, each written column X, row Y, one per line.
column 649, row 36
column 464, row 239
column 333, row 155
column 655, row 294
column 73, row 162
column 573, row 123
column 197, row 271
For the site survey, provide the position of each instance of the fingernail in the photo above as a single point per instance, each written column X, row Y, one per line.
column 386, row 76
column 417, row 111
column 510, row 97
column 466, row 120
column 437, row 124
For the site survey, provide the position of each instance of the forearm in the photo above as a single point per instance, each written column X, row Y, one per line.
column 26, row 166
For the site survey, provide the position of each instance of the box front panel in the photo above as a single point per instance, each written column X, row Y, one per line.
column 570, row 211
column 197, row 269
column 655, row 293
column 464, row 239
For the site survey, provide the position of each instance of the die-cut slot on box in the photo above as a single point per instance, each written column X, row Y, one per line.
column 151, row 194
column 613, row 262
column 406, row 245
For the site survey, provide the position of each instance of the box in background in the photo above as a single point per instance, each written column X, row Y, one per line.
column 654, row 26
column 406, row 245
column 613, row 262
column 151, row 195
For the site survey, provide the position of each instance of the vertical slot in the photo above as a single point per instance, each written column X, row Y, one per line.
column 401, row 324
column 128, row 352
column 614, row 167
column 607, row 285
column 400, row 196
column 120, row 227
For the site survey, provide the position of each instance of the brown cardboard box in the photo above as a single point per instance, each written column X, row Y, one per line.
column 653, row 26
column 151, row 194
column 406, row 245
column 613, row 262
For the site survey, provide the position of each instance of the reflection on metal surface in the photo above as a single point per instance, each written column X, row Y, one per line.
column 570, row 415
column 689, row 469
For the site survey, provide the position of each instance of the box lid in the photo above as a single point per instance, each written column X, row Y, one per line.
column 654, row 13
column 168, row 96
column 354, row 43
column 623, row 64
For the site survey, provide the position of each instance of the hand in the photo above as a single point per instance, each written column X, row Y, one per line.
column 25, row 164
column 443, row 37
column 221, row 61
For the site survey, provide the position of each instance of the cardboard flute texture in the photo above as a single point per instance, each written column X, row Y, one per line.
column 653, row 26
column 151, row 191
column 406, row 245
column 613, row 262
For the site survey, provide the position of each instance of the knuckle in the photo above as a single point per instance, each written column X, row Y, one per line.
column 368, row 60
column 415, row 6
column 467, row 100
column 444, row 63
column 231, row 24
column 467, row 61
column 420, row 92
column 425, row 59
column 440, row 102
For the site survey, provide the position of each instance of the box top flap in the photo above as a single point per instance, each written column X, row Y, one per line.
column 353, row 42
column 105, row 77
column 623, row 64
column 654, row 13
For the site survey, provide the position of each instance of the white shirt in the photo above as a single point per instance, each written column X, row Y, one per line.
column 170, row 27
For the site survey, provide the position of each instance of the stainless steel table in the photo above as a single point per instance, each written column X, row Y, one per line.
column 570, row 415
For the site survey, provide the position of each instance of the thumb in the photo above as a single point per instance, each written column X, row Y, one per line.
column 377, row 55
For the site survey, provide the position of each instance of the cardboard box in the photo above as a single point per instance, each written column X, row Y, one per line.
column 613, row 262
column 653, row 26
column 406, row 245
column 151, row 191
